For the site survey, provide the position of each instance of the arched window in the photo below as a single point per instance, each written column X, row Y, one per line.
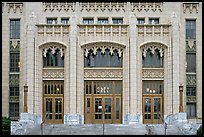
column 152, row 60
column 53, row 57
column 105, row 58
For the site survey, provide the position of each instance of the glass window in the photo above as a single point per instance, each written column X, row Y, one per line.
column 191, row 110
column 152, row 87
column 153, row 21
column 103, row 21
column 14, row 62
column 56, row 87
column 117, row 21
column 64, row 20
column 191, row 62
column 15, row 29
column 14, row 91
column 152, row 60
column 190, row 29
column 140, row 21
column 51, row 20
column 14, row 111
column 105, row 59
column 53, row 59
column 88, row 21
column 191, row 91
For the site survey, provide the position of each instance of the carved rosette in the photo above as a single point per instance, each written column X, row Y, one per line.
column 14, row 80
column 103, row 6
column 53, row 73
column 153, row 73
column 190, row 7
column 103, row 73
column 191, row 99
column 153, row 47
column 14, row 7
column 147, row 6
column 59, row 6
column 190, row 80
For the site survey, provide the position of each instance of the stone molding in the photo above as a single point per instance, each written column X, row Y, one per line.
column 152, row 73
column 103, row 73
column 191, row 99
column 103, row 6
column 53, row 47
column 15, row 6
column 153, row 47
column 190, row 79
column 53, row 73
column 190, row 7
column 51, row 6
column 146, row 6
column 14, row 80
column 14, row 99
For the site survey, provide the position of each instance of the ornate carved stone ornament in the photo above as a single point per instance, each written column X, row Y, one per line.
column 190, row 80
column 153, row 47
column 191, row 99
column 14, row 80
column 103, row 46
column 15, row 45
column 59, row 6
column 53, row 47
column 152, row 73
column 15, row 6
column 147, row 6
column 190, row 7
column 103, row 6
column 53, row 73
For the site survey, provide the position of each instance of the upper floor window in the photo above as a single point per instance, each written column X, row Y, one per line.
column 117, row 21
column 53, row 57
column 51, row 20
column 64, row 20
column 190, row 91
column 14, row 62
column 103, row 59
column 88, row 21
column 190, row 29
column 15, row 29
column 14, row 91
column 153, row 21
column 152, row 60
column 103, row 21
column 191, row 62
column 140, row 21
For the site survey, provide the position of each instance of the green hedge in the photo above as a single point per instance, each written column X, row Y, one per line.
column 6, row 122
column 199, row 131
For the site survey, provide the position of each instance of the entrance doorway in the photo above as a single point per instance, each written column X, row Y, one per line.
column 53, row 101
column 103, row 102
column 152, row 102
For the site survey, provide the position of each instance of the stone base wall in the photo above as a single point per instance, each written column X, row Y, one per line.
column 132, row 119
column 72, row 119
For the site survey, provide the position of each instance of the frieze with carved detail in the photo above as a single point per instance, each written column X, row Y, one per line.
column 58, row 6
column 147, row 6
column 53, row 73
column 153, row 73
column 191, row 7
column 15, row 7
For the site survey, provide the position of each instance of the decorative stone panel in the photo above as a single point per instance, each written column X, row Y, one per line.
column 147, row 6
column 191, row 99
column 14, row 45
column 191, row 80
column 153, row 47
column 103, row 6
column 103, row 73
column 14, row 99
column 190, row 45
column 152, row 73
column 58, row 6
column 15, row 7
column 14, row 80
column 191, row 7
column 53, row 73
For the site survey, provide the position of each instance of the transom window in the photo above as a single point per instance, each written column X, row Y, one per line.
column 190, row 29
column 140, row 21
column 15, row 29
column 103, row 21
column 64, row 20
column 152, row 87
column 88, row 21
column 53, row 87
column 117, row 21
column 103, row 59
column 152, row 60
column 51, row 20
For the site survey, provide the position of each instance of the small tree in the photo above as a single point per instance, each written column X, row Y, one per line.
column 199, row 131
column 6, row 122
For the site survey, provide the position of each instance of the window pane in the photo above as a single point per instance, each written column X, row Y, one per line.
column 191, row 62
column 153, row 21
column 117, row 21
column 14, row 62
column 140, row 21
column 88, row 21
column 15, row 29
column 64, row 21
column 102, row 21
column 52, row 21
column 190, row 29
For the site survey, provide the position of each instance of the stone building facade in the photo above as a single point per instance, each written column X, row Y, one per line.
column 82, row 63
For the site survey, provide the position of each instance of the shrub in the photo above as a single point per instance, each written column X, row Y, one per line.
column 199, row 131
column 6, row 122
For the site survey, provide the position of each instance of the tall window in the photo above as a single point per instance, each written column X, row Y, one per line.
column 64, row 20
column 105, row 59
column 190, row 29
column 191, row 62
column 191, row 109
column 103, row 21
column 14, row 62
column 15, row 29
column 153, row 21
column 117, row 21
column 14, row 111
column 53, row 58
column 88, row 21
column 51, row 20
column 140, row 21
column 152, row 60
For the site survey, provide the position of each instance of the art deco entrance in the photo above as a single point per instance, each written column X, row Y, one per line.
column 152, row 102
column 108, row 95
column 53, row 101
